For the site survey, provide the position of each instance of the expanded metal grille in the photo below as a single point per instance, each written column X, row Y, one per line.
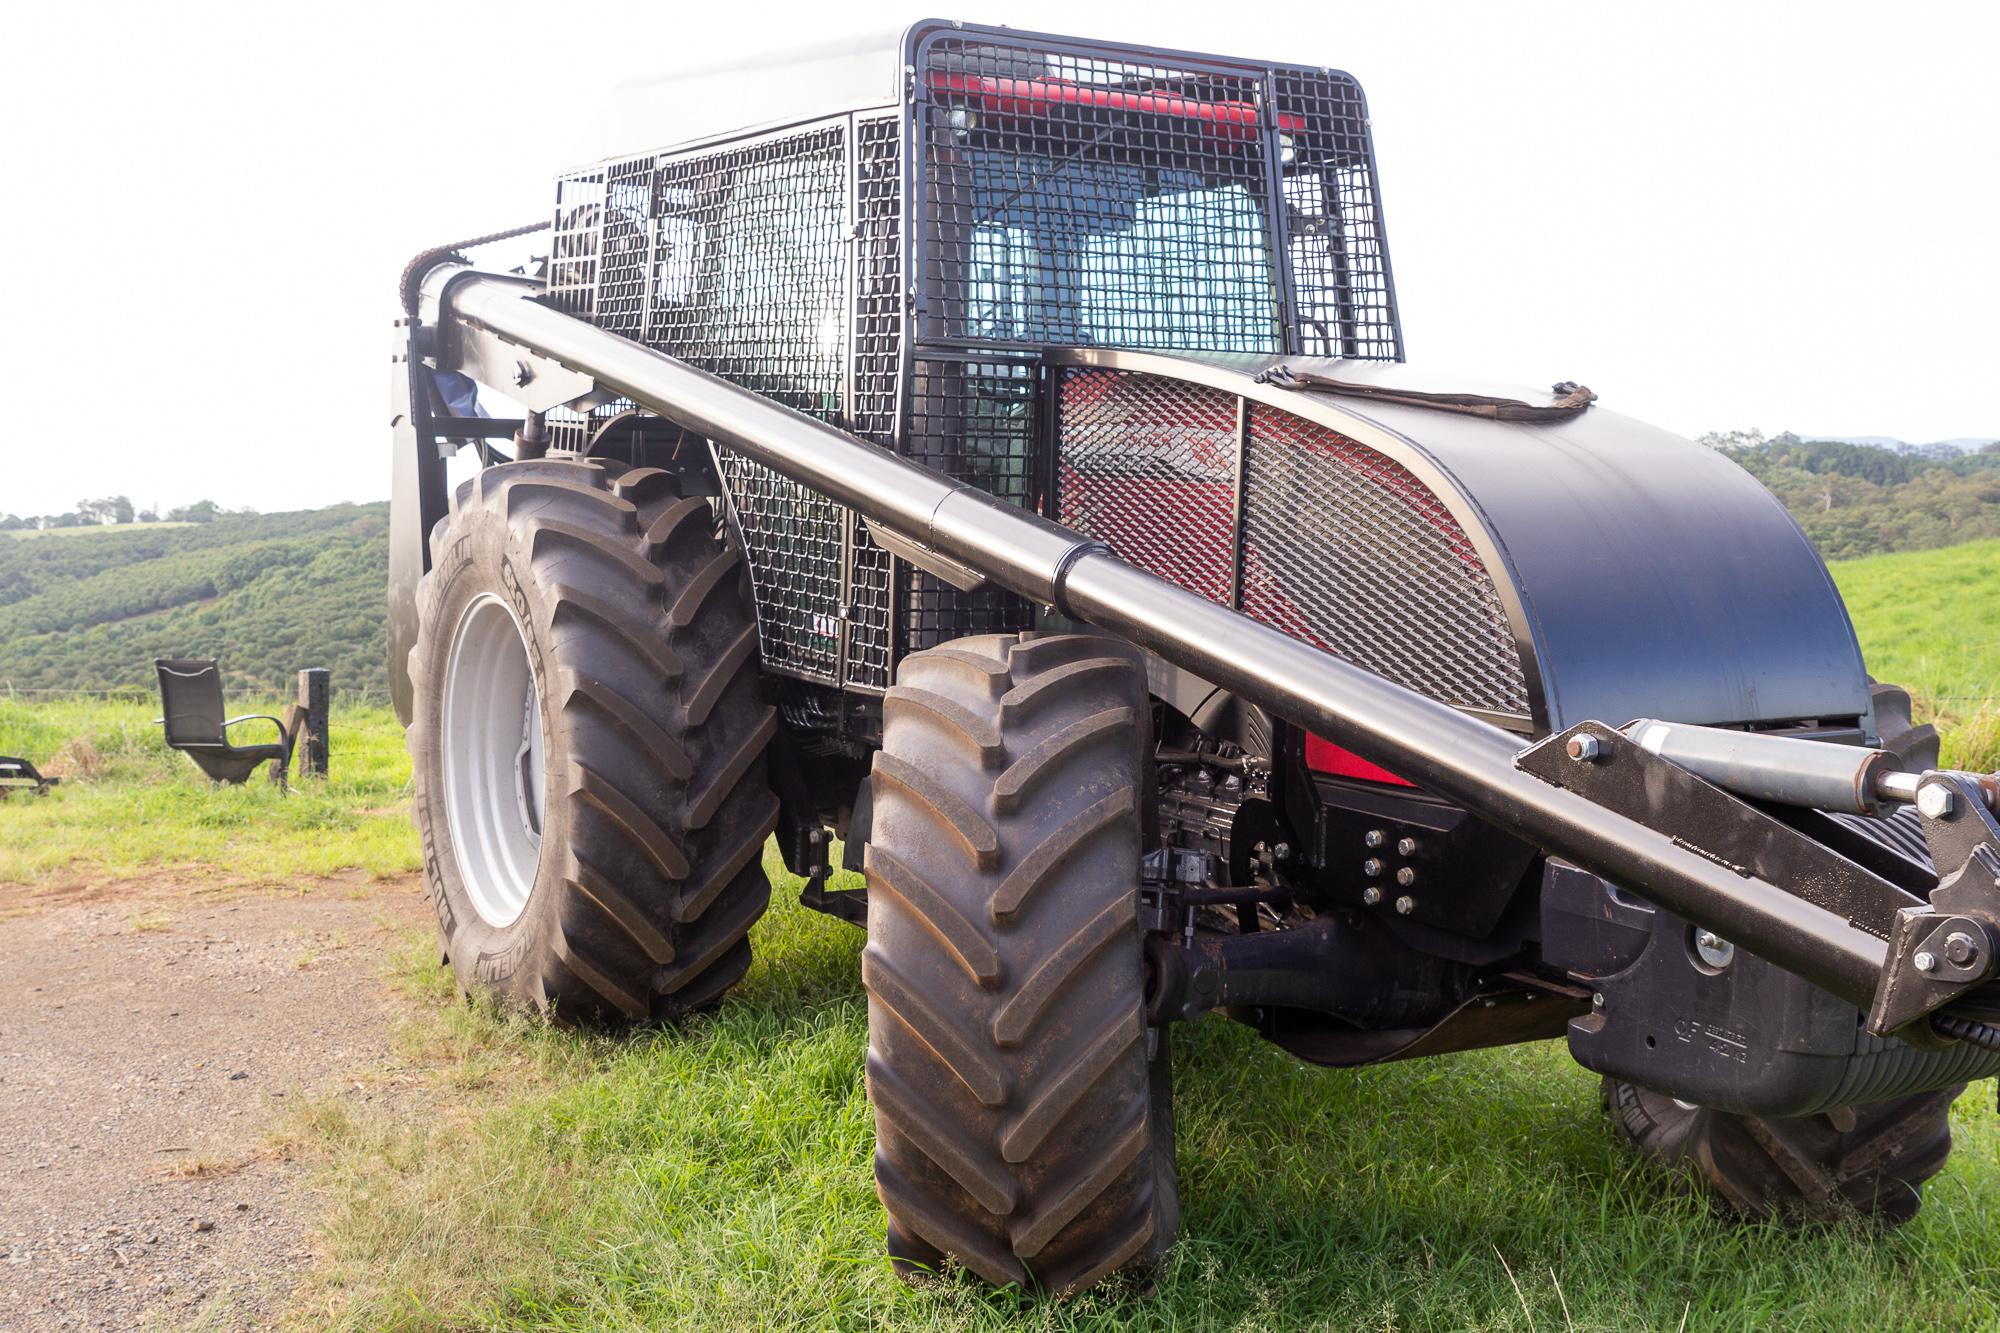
column 1339, row 257
column 1149, row 465
column 1345, row 548
column 1342, row 547
column 1072, row 199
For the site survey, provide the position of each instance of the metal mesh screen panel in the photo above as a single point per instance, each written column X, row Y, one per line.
column 793, row 538
column 1073, row 199
column 1346, row 549
column 878, row 358
column 973, row 420
column 1149, row 466
column 745, row 276
column 1339, row 257
column 749, row 273
column 578, row 226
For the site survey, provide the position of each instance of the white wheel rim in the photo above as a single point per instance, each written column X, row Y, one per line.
column 494, row 788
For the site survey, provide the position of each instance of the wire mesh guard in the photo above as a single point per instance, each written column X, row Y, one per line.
column 1342, row 547
column 1074, row 199
column 736, row 262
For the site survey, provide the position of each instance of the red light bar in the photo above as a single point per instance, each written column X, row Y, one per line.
column 1323, row 756
column 1232, row 121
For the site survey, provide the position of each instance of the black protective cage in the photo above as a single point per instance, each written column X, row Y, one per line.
column 899, row 271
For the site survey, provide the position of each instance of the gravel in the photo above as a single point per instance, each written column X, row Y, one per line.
column 152, row 1035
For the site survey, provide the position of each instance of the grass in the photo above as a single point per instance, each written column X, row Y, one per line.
column 1929, row 621
column 128, row 806
column 717, row 1175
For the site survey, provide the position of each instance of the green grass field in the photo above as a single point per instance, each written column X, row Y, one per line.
column 717, row 1175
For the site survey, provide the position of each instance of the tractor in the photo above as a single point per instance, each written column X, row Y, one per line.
column 986, row 461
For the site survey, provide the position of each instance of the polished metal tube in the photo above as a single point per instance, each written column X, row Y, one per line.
column 1785, row 769
column 1432, row 744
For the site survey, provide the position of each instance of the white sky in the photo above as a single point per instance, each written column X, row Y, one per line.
column 1716, row 215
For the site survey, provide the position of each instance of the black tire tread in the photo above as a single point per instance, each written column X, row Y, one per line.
column 651, row 674
column 1867, row 1162
column 1016, row 1117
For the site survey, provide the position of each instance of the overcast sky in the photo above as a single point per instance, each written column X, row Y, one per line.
column 1716, row 215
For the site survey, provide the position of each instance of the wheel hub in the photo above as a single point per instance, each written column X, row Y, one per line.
column 494, row 783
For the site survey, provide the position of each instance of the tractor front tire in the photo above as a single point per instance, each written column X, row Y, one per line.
column 1867, row 1162
column 589, row 744
column 1023, row 1118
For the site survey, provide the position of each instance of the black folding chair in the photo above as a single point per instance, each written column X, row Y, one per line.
column 18, row 774
column 191, row 698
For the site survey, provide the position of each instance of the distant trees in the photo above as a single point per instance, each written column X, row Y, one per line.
column 1857, row 499
column 113, row 510
column 110, row 509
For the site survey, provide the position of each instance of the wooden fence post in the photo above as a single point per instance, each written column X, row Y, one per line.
column 315, row 701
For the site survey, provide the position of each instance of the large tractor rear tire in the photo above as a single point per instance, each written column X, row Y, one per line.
column 588, row 743
column 1023, row 1119
column 1866, row 1161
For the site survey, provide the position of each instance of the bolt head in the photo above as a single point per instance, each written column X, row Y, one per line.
column 522, row 374
column 1960, row 948
column 1371, row 895
column 1406, row 847
column 1405, row 905
column 1374, row 838
column 1597, row 1000
column 1282, row 852
column 1584, row 748
column 1926, row 961
column 1406, row 877
column 1934, row 800
column 1371, row 867
column 1712, row 949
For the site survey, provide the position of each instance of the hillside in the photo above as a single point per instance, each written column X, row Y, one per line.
column 265, row 594
column 1855, row 499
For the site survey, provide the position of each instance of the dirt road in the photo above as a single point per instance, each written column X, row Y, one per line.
column 152, row 1036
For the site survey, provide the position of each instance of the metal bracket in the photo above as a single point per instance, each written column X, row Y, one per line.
column 1940, row 952
column 1609, row 768
column 535, row 381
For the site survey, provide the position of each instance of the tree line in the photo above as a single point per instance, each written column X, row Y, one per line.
column 1860, row 499
column 111, row 510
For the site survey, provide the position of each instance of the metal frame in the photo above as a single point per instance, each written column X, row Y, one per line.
column 1446, row 752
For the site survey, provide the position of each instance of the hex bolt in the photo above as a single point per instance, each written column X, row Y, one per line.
column 1926, row 961
column 1584, row 748
column 1597, row 1000
column 1371, row 867
column 1960, row 950
column 1406, row 847
column 1934, row 800
column 1371, row 895
column 1712, row 949
column 1374, row 838
column 1406, row 877
column 1282, row 852
column 1405, row 905
column 522, row 374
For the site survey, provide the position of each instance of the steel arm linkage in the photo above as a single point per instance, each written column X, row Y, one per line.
column 477, row 317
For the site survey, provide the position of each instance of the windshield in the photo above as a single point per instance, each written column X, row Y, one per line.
column 1078, row 251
